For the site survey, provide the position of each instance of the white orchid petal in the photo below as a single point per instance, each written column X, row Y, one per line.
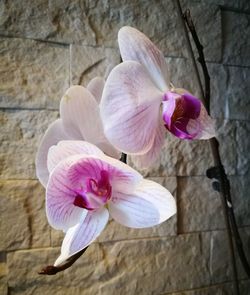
column 53, row 135
column 150, row 204
column 68, row 148
column 96, row 86
column 134, row 45
column 130, row 108
column 204, row 123
column 80, row 115
column 148, row 159
column 82, row 234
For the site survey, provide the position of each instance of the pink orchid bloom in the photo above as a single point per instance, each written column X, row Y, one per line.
column 85, row 186
column 139, row 103
column 79, row 120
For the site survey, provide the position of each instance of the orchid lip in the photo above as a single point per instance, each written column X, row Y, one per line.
column 178, row 111
column 95, row 194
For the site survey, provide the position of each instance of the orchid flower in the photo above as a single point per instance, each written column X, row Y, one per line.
column 79, row 120
column 86, row 186
column 139, row 103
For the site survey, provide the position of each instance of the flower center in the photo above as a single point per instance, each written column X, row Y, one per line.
column 180, row 109
column 95, row 193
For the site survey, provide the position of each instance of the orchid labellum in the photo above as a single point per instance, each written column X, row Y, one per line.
column 79, row 120
column 85, row 187
column 139, row 103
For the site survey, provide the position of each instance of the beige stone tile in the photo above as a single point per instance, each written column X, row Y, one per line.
column 152, row 266
column 88, row 62
column 32, row 74
column 23, row 220
column 20, row 134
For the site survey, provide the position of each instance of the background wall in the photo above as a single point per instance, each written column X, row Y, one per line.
column 48, row 45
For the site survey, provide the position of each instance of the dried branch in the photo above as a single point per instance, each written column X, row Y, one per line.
column 52, row 270
column 220, row 174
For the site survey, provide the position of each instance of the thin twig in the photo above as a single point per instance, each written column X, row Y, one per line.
column 213, row 142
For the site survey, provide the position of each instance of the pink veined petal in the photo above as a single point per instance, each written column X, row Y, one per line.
column 168, row 107
column 68, row 148
column 60, row 195
column 71, row 175
column 82, row 234
column 134, row 45
column 150, row 204
column 149, row 158
column 53, row 135
column 96, row 86
column 130, row 108
column 204, row 125
column 121, row 176
column 81, row 115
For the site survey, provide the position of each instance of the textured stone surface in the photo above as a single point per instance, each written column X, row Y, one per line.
column 219, row 105
column 229, row 92
column 23, row 221
column 236, row 50
column 222, row 289
column 3, row 274
column 131, row 267
column 243, row 147
column 199, row 205
column 226, row 131
column 34, row 80
column 115, row 231
column 240, row 198
column 88, row 62
column 91, row 23
column 96, row 22
column 220, row 267
column 3, row 289
column 238, row 92
column 20, row 133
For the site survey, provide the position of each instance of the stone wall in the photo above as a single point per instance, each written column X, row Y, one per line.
column 45, row 46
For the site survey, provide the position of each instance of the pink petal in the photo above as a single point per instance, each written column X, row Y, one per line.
column 121, row 176
column 53, row 135
column 134, row 45
column 60, row 195
column 130, row 108
column 96, row 86
column 205, row 125
column 80, row 115
column 82, row 234
column 68, row 148
column 69, row 177
column 150, row 204
column 148, row 159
